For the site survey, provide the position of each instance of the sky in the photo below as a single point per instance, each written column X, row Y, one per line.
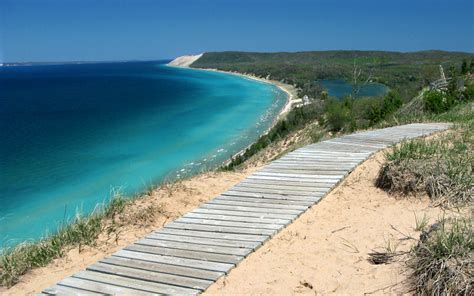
column 103, row 30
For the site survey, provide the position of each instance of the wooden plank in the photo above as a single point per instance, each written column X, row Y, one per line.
column 214, row 235
column 260, row 205
column 301, row 176
column 100, row 288
column 229, row 218
column 244, row 213
column 320, row 162
column 66, row 291
column 287, row 191
column 193, row 263
column 316, row 158
column 292, row 187
column 273, row 195
column 193, row 247
column 250, row 209
column 265, row 200
column 163, row 268
column 125, row 282
column 313, row 167
column 288, row 170
column 290, row 183
column 228, row 223
column 218, row 229
column 303, row 180
column 205, row 241
column 232, row 259
column 150, row 276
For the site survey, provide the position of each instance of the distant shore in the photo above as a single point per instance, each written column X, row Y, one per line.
column 290, row 90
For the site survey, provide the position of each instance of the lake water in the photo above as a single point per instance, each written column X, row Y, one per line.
column 340, row 88
column 71, row 133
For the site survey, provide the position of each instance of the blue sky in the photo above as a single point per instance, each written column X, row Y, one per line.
column 94, row 30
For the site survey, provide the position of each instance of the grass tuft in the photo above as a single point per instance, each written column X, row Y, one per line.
column 442, row 262
column 79, row 232
column 440, row 167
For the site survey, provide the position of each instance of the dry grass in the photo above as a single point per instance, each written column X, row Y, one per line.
column 442, row 263
column 441, row 168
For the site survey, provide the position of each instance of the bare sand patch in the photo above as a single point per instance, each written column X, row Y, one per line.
column 184, row 61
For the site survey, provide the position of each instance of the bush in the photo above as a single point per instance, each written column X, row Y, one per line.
column 337, row 114
column 436, row 101
column 442, row 261
column 391, row 102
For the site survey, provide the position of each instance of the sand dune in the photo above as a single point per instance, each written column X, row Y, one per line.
column 184, row 61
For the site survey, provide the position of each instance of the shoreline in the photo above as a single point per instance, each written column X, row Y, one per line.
column 289, row 90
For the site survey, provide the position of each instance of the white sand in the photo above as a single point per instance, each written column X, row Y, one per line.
column 184, row 61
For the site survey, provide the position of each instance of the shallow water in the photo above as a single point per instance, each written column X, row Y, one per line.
column 71, row 133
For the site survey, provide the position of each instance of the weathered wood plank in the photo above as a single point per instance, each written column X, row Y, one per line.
column 260, row 205
column 101, row 288
column 293, row 179
column 66, row 291
column 150, row 276
column 228, row 223
column 301, row 176
column 273, row 195
column 265, row 200
column 140, row 285
column 232, row 259
column 223, row 229
column 205, row 241
column 286, row 191
column 250, row 209
column 293, row 187
column 186, row 262
column 244, row 213
column 215, row 235
column 229, row 218
column 190, row 246
column 163, row 268
column 290, row 183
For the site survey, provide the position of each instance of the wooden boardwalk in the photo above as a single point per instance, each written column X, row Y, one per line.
column 192, row 252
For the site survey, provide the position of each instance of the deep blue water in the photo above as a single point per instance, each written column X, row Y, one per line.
column 71, row 133
column 340, row 88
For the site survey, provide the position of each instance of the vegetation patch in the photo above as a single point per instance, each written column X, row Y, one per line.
column 440, row 167
column 442, row 262
column 106, row 220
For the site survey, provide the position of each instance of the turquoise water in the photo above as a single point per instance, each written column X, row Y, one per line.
column 340, row 88
column 71, row 133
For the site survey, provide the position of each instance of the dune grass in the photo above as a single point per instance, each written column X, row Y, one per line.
column 81, row 231
column 441, row 167
column 442, row 262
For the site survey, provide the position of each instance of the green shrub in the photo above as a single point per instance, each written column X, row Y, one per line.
column 337, row 115
column 390, row 103
column 436, row 101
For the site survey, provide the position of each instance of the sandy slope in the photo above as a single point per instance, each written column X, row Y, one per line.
column 184, row 61
column 325, row 251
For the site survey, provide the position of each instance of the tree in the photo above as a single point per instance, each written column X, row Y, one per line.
column 464, row 67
